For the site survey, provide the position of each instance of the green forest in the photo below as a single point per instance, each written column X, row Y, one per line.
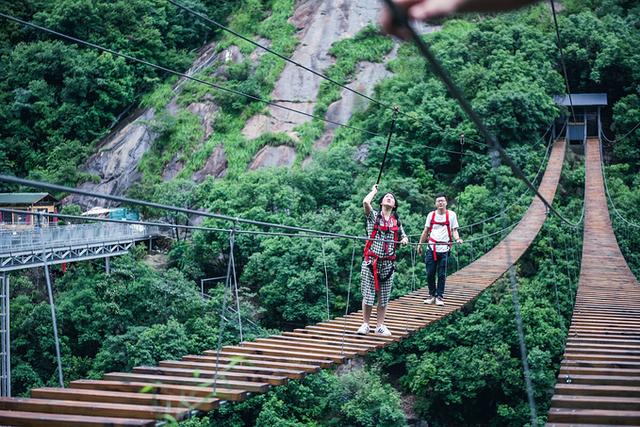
column 58, row 100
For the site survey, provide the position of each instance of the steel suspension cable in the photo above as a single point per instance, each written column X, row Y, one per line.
column 564, row 67
column 622, row 137
column 181, row 74
column 386, row 150
column 606, row 188
column 273, row 52
column 535, row 178
column 198, row 80
column 515, row 299
column 401, row 20
column 64, row 189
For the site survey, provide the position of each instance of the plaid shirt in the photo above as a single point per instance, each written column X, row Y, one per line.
column 379, row 247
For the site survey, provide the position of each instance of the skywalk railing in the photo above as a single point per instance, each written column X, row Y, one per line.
column 54, row 236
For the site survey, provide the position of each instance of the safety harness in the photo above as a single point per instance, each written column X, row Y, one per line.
column 433, row 242
column 372, row 258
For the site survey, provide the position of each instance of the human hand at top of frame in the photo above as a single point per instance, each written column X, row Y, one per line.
column 425, row 10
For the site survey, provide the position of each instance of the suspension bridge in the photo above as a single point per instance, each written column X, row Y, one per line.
column 598, row 383
column 599, row 380
column 202, row 382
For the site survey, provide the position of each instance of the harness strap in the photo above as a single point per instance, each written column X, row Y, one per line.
column 374, row 266
column 433, row 242
column 372, row 257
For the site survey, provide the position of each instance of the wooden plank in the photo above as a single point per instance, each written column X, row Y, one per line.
column 288, row 348
column 310, row 343
column 138, row 387
column 37, row 419
column 254, row 387
column 188, row 365
column 596, row 402
column 336, row 341
column 94, row 409
column 319, row 363
column 247, row 361
column 336, row 337
column 595, row 416
column 121, row 397
column 325, row 359
column 209, row 375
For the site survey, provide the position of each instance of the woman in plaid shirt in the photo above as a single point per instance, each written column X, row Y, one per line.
column 384, row 230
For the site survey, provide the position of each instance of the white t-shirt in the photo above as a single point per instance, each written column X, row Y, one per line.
column 439, row 232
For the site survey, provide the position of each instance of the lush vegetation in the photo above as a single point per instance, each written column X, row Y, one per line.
column 58, row 100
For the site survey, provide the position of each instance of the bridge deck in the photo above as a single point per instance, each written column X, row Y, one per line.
column 176, row 388
column 599, row 380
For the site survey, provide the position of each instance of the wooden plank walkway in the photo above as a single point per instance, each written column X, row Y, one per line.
column 599, row 379
column 177, row 388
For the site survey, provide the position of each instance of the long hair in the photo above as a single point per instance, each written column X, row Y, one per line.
column 394, row 210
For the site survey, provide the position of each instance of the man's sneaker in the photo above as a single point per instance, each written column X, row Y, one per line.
column 363, row 329
column 439, row 301
column 430, row 300
column 383, row 330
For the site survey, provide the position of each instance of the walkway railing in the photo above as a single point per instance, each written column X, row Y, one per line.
column 599, row 379
column 53, row 236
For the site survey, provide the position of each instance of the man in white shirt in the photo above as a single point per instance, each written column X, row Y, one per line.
column 440, row 231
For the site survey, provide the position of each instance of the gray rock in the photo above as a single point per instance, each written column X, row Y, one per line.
column 320, row 24
column 361, row 153
column 216, row 166
column 270, row 156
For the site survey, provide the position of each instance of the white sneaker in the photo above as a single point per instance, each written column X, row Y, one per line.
column 363, row 329
column 439, row 301
column 430, row 300
column 383, row 330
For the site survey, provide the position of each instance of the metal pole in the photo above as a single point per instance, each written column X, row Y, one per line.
column 53, row 312
column 5, row 383
column 107, row 265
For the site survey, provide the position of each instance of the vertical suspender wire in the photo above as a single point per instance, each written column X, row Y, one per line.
column 386, row 150
column 51, row 304
column 515, row 299
column 346, row 310
column 567, row 260
column 222, row 312
column 578, row 238
column 232, row 260
column 456, row 252
column 413, row 281
column 555, row 281
column 564, row 67
column 414, row 255
column 326, row 278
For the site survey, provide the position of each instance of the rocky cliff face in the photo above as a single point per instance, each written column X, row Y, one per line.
column 319, row 24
